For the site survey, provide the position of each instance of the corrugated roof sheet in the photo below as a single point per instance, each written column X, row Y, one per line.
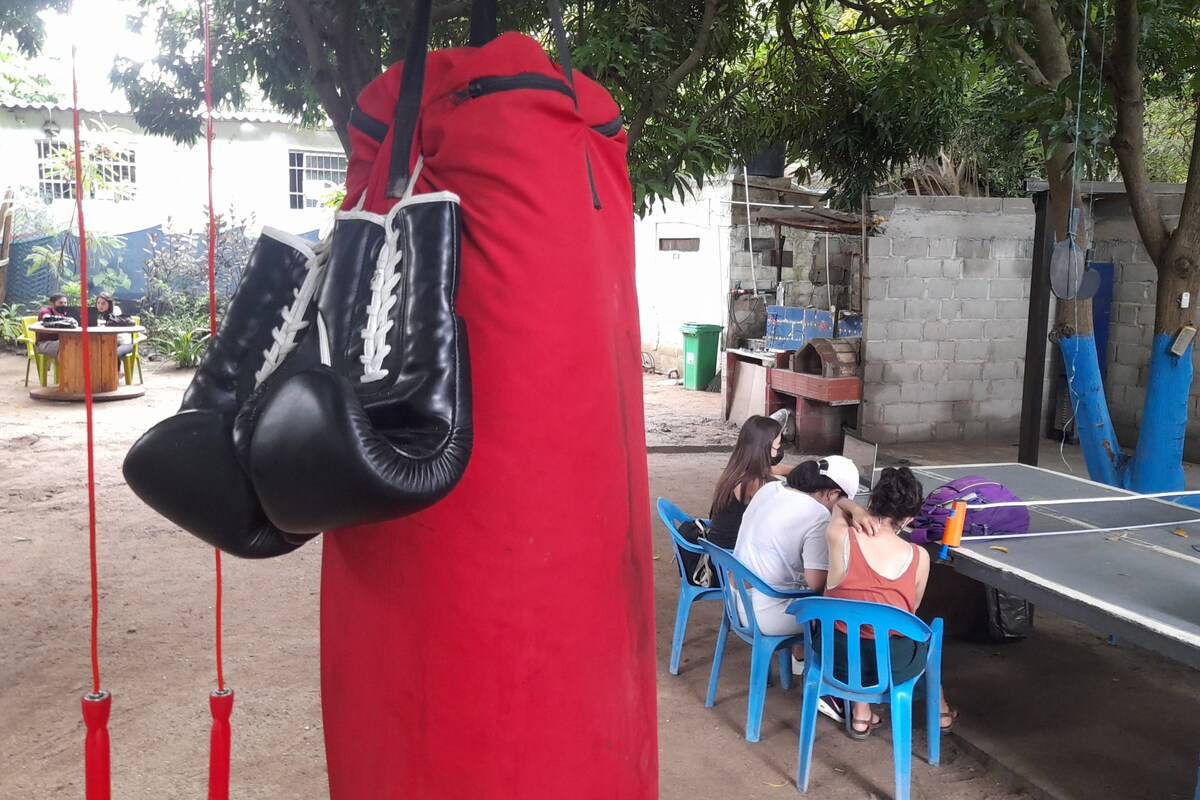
column 261, row 115
column 817, row 219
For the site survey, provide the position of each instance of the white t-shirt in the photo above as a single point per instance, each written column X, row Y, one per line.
column 782, row 534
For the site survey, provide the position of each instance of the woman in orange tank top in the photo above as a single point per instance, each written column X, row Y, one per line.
column 882, row 569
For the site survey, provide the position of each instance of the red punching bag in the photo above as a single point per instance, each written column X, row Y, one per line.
column 501, row 643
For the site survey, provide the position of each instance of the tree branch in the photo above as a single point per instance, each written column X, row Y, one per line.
column 1129, row 141
column 960, row 16
column 1093, row 46
column 357, row 64
column 335, row 104
column 1026, row 62
column 1187, row 233
column 1052, row 57
column 686, row 67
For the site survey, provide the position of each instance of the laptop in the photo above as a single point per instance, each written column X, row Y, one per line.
column 74, row 313
column 864, row 454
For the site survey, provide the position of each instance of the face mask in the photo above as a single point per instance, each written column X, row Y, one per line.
column 775, row 459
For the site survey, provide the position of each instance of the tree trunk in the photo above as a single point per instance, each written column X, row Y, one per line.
column 6, row 211
column 1158, row 460
column 1157, row 463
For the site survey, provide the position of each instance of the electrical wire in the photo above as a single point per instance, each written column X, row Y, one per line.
column 1072, row 367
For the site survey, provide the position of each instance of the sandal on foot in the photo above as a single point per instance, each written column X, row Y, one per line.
column 858, row 735
column 946, row 720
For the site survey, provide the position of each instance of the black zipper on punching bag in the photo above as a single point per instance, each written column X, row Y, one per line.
column 537, row 81
column 508, row 83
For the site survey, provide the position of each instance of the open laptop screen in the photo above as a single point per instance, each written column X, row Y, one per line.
column 863, row 454
column 75, row 314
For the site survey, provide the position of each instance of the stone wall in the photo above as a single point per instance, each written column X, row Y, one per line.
column 947, row 302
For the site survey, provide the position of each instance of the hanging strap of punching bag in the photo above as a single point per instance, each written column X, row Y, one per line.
column 412, row 82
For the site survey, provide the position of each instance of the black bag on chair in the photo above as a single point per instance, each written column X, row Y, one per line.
column 696, row 566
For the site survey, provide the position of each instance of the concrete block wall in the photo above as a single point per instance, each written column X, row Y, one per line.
column 747, row 320
column 808, row 281
column 747, row 267
column 832, row 277
column 946, row 306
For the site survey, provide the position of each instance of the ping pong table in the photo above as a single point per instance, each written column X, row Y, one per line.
column 1129, row 572
column 1139, row 583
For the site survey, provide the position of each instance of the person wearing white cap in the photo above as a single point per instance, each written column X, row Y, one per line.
column 782, row 538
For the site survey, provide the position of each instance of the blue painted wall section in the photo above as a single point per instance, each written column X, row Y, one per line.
column 1097, row 438
column 1158, row 461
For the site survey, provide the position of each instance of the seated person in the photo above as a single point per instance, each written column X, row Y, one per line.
column 107, row 313
column 44, row 342
column 758, row 451
column 783, row 542
column 782, row 538
column 882, row 569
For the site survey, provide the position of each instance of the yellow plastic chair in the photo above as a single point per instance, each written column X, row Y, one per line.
column 43, row 360
column 132, row 357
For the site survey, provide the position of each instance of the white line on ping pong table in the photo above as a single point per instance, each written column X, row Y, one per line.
column 1032, row 534
column 1075, row 500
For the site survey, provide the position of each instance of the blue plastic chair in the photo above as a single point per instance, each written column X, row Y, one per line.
column 736, row 580
column 672, row 517
column 819, row 679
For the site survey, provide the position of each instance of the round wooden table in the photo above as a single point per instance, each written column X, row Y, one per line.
column 102, row 340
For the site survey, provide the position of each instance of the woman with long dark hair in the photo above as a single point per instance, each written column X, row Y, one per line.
column 759, row 448
column 109, row 313
column 883, row 568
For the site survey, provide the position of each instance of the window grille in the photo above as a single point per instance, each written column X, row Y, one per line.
column 111, row 171
column 312, row 177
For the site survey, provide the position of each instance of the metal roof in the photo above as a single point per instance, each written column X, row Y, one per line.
column 263, row 115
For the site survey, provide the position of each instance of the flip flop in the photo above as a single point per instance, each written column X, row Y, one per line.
column 951, row 715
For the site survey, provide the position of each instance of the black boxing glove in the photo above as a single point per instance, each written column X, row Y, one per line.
column 185, row 467
column 371, row 417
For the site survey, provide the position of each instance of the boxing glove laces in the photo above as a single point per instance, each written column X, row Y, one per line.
column 185, row 467
column 370, row 418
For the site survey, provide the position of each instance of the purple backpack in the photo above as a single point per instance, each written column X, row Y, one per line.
column 974, row 489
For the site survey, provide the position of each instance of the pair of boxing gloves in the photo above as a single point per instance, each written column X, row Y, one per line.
column 336, row 391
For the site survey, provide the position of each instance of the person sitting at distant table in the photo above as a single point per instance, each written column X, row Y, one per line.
column 882, row 569
column 108, row 313
column 44, row 342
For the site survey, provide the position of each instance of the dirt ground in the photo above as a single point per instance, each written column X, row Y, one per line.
column 156, row 634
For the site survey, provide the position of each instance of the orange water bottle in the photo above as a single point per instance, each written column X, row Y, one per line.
column 953, row 532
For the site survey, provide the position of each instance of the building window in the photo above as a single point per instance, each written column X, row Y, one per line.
column 313, row 177
column 109, row 172
column 680, row 245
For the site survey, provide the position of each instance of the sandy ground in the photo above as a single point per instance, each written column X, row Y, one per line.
column 156, row 592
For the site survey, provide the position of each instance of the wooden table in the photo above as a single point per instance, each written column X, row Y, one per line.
column 102, row 341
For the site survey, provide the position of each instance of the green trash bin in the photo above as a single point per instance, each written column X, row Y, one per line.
column 699, row 354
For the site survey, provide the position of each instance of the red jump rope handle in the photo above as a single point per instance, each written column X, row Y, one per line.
column 221, row 705
column 97, row 767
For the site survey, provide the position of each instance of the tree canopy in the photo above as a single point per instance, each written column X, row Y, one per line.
column 19, row 19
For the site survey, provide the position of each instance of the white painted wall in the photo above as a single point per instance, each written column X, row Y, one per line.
column 677, row 287
column 250, row 173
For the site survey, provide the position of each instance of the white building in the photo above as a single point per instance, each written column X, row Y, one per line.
column 262, row 165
